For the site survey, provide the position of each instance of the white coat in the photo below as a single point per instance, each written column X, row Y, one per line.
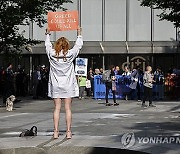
column 62, row 80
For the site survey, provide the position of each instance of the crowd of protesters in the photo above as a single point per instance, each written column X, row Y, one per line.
column 12, row 83
column 19, row 83
column 135, row 73
column 40, row 78
column 136, row 82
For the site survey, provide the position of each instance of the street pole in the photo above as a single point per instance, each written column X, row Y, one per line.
column 103, row 58
column 103, row 31
column 103, row 63
column 30, row 56
column 178, row 44
column 152, row 36
column 127, row 31
column 127, row 60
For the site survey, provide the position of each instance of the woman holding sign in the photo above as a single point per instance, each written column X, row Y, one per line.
column 62, row 83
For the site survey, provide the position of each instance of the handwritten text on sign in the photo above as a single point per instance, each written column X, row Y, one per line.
column 62, row 21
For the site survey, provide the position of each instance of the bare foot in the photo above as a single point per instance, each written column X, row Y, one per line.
column 56, row 134
column 68, row 134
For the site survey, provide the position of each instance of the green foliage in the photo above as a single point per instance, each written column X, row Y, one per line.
column 22, row 12
column 170, row 9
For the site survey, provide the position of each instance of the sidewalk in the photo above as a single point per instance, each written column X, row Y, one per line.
column 96, row 128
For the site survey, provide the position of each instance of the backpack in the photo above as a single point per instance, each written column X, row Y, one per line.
column 31, row 132
column 106, row 76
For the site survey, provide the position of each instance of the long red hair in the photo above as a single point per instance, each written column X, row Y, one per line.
column 62, row 44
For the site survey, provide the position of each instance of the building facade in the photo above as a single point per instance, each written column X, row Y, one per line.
column 115, row 32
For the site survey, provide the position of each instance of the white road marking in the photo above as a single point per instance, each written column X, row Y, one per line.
column 39, row 133
column 176, row 134
column 13, row 115
column 174, row 117
column 117, row 116
column 11, row 133
column 139, row 122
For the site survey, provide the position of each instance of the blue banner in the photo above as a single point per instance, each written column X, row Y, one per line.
column 122, row 87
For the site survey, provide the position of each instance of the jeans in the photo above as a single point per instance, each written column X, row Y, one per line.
column 81, row 91
column 108, row 87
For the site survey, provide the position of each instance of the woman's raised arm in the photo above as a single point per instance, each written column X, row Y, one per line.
column 48, row 43
column 79, row 43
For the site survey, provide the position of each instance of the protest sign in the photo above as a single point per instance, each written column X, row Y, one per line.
column 63, row 21
column 81, row 66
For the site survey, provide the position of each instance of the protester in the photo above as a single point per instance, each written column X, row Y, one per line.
column 126, row 71
column 148, row 85
column 101, row 71
column 139, row 84
column 90, row 76
column 159, row 84
column 8, row 84
column 20, row 82
column 36, row 83
column 44, row 79
column 62, row 80
column 177, row 84
column 88, row 87
column 82, row 86
column 97, row 71
column 134, row 81
column 2, row 80
column 109, row 79
column 126, row 76
column 117, row 71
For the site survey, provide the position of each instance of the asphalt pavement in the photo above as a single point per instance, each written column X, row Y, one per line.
column 127, row 128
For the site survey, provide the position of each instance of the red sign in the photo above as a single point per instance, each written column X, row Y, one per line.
column 62, row 21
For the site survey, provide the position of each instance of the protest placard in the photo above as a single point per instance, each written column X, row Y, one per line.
column 81, row 66
column 63, row 21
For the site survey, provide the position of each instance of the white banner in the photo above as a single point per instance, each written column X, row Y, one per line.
column 81, row 66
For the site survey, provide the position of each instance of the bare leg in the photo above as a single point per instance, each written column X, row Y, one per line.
column 68, row 102
column 57, row 104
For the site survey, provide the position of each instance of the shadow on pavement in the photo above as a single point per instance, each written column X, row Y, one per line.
column 68, row 150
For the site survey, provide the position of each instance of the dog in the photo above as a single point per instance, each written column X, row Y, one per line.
column 10, row 102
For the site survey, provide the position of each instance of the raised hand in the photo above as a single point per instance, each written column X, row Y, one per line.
column 79, row 30
column 47, row 31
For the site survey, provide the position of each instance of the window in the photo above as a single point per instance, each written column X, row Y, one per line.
column 91, row 15
column 163, row 30
column 139, row 22
column 115, row 20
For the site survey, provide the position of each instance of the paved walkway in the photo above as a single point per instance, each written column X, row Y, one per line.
column 126, row 128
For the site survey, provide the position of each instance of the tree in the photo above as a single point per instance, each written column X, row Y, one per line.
column 170, row 9
column 22, row 12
